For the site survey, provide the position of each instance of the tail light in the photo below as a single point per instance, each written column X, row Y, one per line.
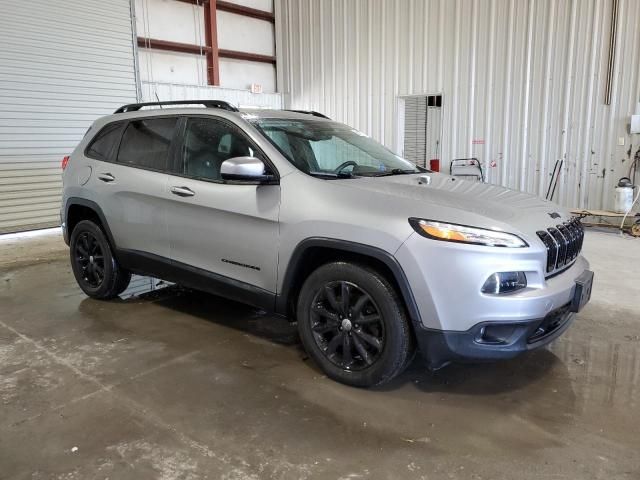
column 65, row 160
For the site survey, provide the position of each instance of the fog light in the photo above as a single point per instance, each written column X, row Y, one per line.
column 496, row 334
column 504, row 282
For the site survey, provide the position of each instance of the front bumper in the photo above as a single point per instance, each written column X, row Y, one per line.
column 458, row 323
column 446, row 280
column 489, row 341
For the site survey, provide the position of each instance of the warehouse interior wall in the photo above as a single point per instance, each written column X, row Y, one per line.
column 523, row 82
column 183, row 23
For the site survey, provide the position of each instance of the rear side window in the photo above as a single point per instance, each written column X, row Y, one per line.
column 146, row 143
column 102, row 145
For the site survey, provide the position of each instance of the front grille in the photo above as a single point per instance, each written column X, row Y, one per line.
column 564, row 243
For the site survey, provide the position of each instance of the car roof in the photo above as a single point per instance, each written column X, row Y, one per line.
column 285, row 114
column 245, row 113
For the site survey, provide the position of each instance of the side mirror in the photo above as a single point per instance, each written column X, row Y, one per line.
column 247, row 169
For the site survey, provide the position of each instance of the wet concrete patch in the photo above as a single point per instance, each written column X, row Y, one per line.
column 173, row 383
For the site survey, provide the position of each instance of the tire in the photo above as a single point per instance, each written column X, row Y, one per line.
column 93, row 263
column 380, row 342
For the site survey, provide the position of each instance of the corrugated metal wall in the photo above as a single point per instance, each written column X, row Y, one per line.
column 522, row 80
column 63, row 64
column 242, row 98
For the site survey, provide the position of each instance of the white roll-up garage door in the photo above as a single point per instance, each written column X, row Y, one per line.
column 422, row 128
column 62, row 65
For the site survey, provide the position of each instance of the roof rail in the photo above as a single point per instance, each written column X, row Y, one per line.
column 134, row 107
column 310, row 112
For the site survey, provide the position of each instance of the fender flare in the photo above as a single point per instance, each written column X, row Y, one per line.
column 71, row 201
column 379, row 254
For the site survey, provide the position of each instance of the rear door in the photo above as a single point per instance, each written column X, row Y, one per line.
column 132, row 188
column 226, row 228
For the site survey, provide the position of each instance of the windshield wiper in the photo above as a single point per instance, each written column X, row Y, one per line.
column 395, row 171
column 332, row 175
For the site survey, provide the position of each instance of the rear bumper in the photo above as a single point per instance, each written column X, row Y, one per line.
column 489, row 341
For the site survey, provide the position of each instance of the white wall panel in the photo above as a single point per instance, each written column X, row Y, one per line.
column 241, row 98
column 241, row 74
column 244, row 34
column 170, row 20
column 172, row 67
column 525, row 79
column 64, row 64
column 265, row 5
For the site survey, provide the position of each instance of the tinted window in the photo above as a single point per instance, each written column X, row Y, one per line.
column 146, row 143
column 210, row 142
column 101, row 146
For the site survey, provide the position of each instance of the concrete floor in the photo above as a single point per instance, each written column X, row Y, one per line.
column 181, row 385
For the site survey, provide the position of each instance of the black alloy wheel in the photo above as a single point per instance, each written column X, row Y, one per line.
column 93, row 263
column 347, row 326
column 353, row 324
column 90, row 258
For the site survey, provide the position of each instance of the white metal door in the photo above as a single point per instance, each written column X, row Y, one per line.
column 422, row 128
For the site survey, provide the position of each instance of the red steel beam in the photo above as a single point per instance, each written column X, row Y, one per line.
column 252, row 57
column 172, row 46
column 245, row 11
column 211, row 40
column 202, row 50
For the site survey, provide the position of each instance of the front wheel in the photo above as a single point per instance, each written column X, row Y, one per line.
column 353, row 324
column 94, row 266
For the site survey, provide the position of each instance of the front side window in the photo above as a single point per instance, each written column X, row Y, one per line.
column 209, row 142
column 102, row 145
column 145, row 143
column 331, row 149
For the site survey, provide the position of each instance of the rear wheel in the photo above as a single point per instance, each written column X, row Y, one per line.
column 94, row 266
column 352, row 323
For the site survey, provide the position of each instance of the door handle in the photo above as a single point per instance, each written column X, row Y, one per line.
column 182, row 191
column 106, row 177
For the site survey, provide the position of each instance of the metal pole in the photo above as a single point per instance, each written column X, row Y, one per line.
column 612, row 52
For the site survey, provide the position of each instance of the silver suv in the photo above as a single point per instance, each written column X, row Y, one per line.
column 308, row 218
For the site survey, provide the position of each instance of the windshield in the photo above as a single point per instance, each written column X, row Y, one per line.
column 331, row 149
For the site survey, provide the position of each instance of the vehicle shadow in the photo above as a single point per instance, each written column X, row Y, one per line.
column 462, row 379
column 489, row 378
column 224, row 312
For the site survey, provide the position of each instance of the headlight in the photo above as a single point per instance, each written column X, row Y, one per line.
column 451, row 232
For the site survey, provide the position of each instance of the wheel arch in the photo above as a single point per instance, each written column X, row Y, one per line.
column 78, row 209
column 313, row 252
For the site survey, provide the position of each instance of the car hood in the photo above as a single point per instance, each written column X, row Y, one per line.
column 446, row 198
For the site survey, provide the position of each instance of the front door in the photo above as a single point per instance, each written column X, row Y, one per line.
column 228, row 229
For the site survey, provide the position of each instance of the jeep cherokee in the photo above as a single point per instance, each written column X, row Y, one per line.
column 309, row 218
